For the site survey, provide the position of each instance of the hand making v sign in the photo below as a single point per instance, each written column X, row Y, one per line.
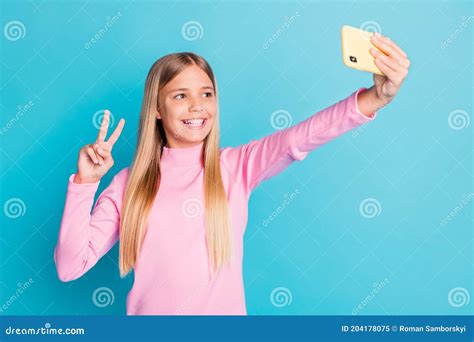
column 95, row 159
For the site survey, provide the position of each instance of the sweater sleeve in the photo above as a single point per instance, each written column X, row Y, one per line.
column 261, row 159
column 84, row 237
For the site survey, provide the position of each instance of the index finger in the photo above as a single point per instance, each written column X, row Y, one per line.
column 388, row 50
column 116, row 134
column 104, row 126
column 394, row 45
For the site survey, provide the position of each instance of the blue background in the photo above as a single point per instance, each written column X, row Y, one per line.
column 321, row 248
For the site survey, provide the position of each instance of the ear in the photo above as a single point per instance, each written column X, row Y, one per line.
column 158, row 115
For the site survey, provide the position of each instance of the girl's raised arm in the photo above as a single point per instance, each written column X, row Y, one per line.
column 84, row 237
column 261, row 159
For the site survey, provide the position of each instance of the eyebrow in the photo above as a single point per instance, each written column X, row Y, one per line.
column 185, row 89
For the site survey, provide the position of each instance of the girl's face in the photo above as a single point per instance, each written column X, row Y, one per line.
column 187, row 106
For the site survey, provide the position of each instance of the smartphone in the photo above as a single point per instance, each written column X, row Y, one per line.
column 355, row 49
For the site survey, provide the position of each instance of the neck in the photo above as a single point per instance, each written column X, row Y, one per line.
column 170, row 144
column 192, row 155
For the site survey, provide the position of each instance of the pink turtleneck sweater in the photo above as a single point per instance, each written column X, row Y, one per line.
column 171, row 274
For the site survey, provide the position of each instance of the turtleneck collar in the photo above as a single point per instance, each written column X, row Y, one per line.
column 187, row 156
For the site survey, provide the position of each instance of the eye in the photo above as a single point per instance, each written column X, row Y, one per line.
column 177, row 96
column 209, row 94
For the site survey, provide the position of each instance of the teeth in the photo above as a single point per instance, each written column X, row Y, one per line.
column 194, row 122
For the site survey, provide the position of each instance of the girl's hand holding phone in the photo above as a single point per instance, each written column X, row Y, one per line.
column 394, row 64
column 95, row 159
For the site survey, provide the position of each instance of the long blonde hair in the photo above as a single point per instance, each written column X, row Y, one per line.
column 144, row 173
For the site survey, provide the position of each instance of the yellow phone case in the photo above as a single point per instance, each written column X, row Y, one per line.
column 355, row 49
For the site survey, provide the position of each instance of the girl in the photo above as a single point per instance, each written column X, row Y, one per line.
column 180, row 209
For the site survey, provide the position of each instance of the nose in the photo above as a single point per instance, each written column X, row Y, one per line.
column 198, row 108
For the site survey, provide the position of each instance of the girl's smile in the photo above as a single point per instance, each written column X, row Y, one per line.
column 196, row 123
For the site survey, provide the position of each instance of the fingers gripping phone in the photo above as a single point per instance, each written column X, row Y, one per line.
column 355, row 49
